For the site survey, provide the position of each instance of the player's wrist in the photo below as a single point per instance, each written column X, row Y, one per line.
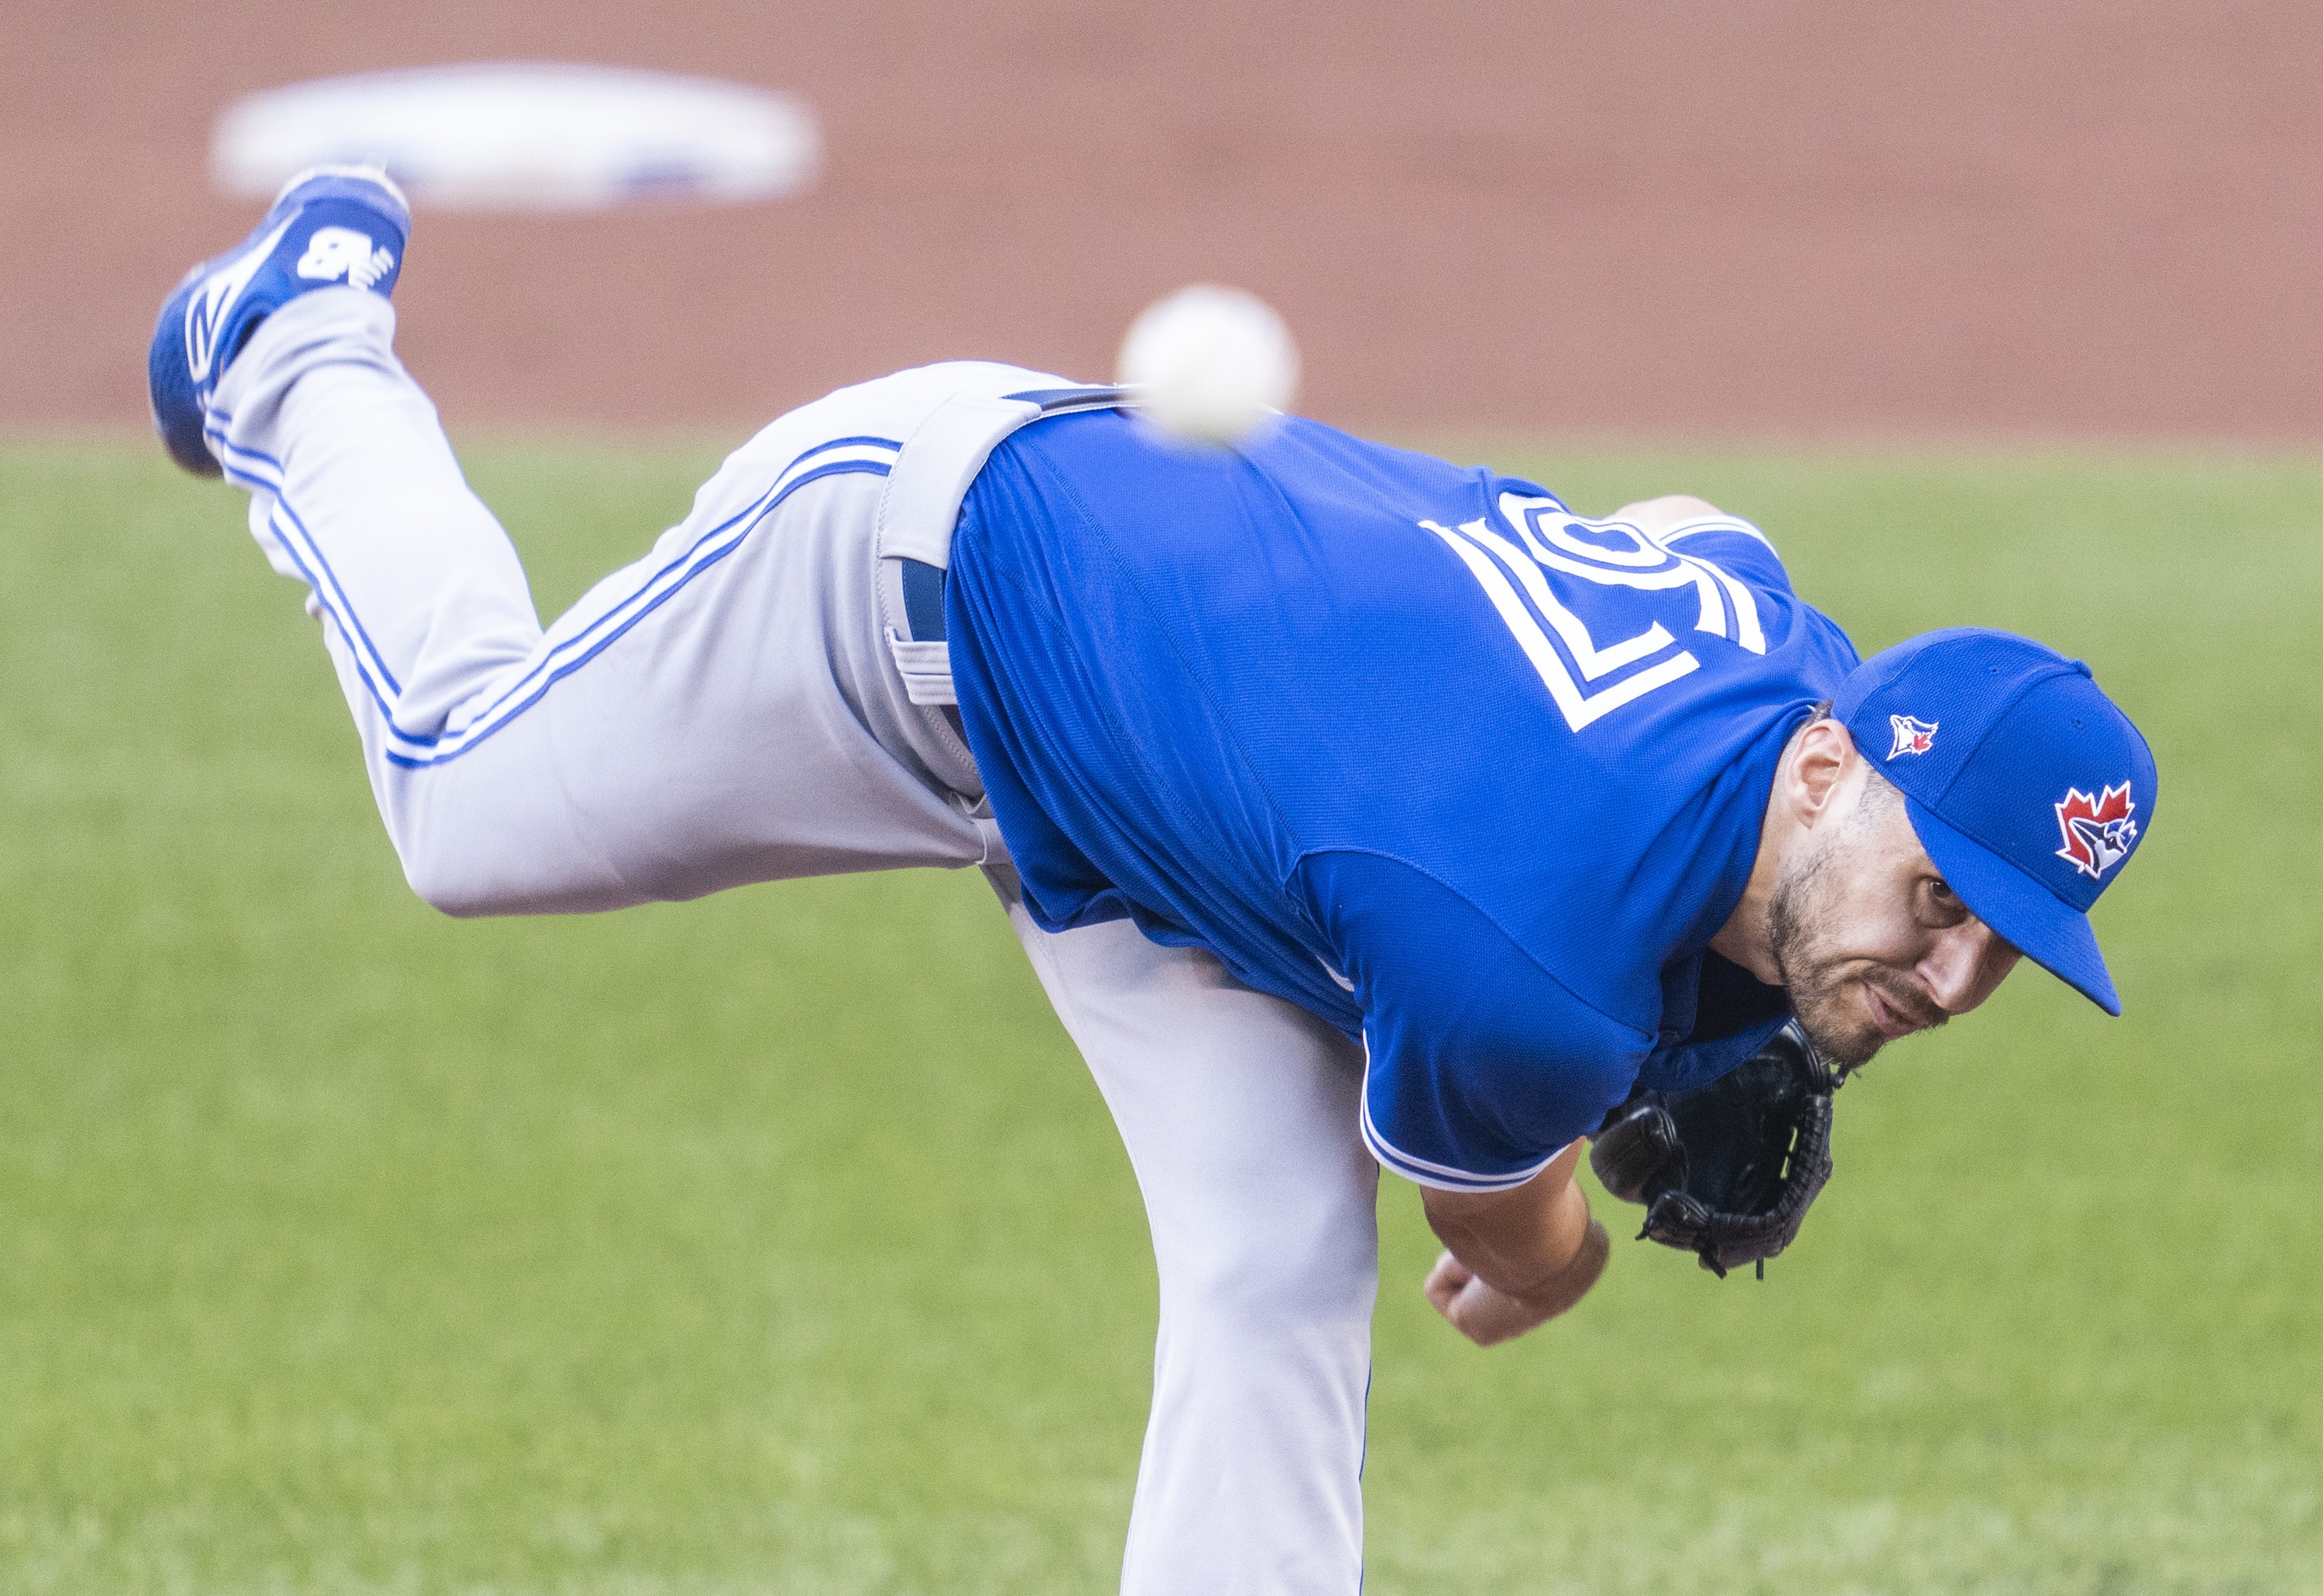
column 1565, row 1284
column 1566, row 1236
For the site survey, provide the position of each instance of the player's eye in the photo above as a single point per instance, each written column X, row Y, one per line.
column 1944, row 905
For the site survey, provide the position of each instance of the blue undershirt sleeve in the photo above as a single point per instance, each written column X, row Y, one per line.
column 1482, row 1065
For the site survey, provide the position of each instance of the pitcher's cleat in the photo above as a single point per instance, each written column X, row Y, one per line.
column 330, row 224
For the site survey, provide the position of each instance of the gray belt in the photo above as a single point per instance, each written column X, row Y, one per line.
column 922, row 504
column 924, row 619
column 923, row 586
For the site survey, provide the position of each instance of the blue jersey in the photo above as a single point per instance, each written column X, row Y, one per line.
column 1409, row 744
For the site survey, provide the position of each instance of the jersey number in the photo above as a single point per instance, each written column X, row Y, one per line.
column 1608, row 553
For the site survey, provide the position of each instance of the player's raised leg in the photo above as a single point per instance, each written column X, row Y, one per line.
column 723, row 711
column 1240, row 1113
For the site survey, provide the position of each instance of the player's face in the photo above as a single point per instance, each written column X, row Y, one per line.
column 1871, row 942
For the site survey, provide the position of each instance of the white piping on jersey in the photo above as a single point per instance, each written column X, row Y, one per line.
column 1419, row 1171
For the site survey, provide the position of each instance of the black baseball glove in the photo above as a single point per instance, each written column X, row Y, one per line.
column 1726, row 1170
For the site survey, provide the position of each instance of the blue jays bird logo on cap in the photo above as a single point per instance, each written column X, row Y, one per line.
column 1912, row 736
column 2098, row 831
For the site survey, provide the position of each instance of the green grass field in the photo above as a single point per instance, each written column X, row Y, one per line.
column 741, row 1246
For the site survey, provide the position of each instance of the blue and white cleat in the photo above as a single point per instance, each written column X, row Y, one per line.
column 330, row 224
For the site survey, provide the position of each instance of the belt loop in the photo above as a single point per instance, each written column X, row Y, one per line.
column 925, row 667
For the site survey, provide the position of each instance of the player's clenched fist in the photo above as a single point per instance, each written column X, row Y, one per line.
column 1488, row 1315
column 1516, row 1258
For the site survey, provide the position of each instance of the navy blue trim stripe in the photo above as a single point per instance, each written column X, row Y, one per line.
column 386, row 709
column 774, row 496
column 472, row 738
column 349, row 624
column 865, row 441
column 251, row 468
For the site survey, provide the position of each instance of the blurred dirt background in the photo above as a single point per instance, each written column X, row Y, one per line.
column 1696, row 217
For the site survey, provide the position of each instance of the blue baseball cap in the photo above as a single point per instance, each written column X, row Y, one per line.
column 2027, row 786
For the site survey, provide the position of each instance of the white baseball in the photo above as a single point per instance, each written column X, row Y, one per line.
column 1213, row 363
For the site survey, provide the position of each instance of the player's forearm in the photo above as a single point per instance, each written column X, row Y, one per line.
column 1523, row 1242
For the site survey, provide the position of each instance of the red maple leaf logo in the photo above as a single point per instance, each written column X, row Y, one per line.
column 2099, row 832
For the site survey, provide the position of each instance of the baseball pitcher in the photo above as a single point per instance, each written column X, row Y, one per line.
column 1356, row 810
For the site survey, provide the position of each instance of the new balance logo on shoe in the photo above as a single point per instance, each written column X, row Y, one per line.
column 342, row 252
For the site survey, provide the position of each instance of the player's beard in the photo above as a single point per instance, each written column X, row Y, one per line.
column 1804, row 926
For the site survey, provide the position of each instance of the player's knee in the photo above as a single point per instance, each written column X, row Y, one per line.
column 453, row 887
column 1248, row 1310
column 449, row 897
column 1249, row 1288
column 470, row 880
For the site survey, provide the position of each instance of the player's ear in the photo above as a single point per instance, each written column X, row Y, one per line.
column 1825, row 755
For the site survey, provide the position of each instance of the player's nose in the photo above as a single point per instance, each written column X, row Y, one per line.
column 1965, row 966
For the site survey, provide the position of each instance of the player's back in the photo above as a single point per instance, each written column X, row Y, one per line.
column 1186, row 671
